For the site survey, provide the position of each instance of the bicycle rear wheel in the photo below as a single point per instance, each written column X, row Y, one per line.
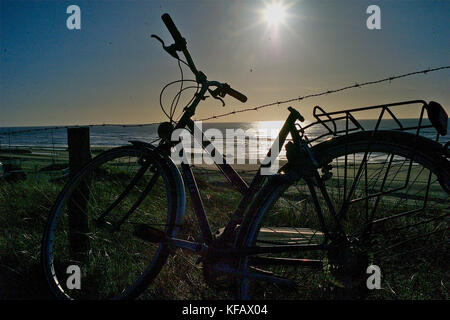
column 392, row 191
column 93, row 224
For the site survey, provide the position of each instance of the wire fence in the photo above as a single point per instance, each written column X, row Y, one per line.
column 43, row 150
column 326, row 92
column 272, row 104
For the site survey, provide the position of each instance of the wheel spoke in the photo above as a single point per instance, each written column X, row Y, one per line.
column 112, row 187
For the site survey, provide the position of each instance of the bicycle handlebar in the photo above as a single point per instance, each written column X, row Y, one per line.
column 236, row 94
column 176, row 35
column 180, row 45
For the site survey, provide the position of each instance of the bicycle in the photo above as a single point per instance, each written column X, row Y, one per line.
column 372, row 191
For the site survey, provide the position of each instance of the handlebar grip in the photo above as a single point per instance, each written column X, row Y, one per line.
column 237, row 95
column 172, row 28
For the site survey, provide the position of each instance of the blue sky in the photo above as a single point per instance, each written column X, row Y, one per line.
column 111, row 71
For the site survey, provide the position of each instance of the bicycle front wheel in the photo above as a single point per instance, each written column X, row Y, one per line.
column 390, row 191
column 90, row 249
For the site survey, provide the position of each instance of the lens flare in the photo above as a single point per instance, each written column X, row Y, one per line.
column 274, row 13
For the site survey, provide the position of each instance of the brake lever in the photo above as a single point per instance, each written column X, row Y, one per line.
column 223, row 102
column 170, row 49
column 215, row 93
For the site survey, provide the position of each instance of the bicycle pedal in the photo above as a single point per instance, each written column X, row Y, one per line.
column 149, row 234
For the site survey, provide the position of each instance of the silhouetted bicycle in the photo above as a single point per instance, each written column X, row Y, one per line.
column 362, row 197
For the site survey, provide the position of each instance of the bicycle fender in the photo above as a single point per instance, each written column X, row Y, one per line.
column 437, row 154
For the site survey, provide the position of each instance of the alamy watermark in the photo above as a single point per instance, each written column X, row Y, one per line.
column 374, row 280
column 74, row 278
column 73, row 21
column 234, row 142
column 373, row 22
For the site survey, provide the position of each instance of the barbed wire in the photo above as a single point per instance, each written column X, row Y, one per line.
column 277, row 103
column 356, row 85
column 13, row 132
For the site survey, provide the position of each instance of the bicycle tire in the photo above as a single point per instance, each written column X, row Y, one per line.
column 425, row 152
column 104, row 167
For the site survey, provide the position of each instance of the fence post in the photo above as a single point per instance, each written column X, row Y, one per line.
column 79, row 154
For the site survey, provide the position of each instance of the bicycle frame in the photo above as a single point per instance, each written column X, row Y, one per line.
column 248, row 191
column 302, row 155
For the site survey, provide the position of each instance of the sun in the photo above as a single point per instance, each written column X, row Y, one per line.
column 274, row 13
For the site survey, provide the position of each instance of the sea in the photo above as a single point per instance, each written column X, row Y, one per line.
column 259, row 135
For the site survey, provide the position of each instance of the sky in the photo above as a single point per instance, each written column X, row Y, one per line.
column 111, row 71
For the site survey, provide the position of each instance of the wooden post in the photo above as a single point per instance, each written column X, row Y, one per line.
column 79, row 154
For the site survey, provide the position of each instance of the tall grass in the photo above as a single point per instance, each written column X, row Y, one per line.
column 25, row 205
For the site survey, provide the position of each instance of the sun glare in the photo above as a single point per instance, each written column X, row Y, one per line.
column 271, row 128
column 274, row 13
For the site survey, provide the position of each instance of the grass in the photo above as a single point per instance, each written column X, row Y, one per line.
column 406, row 274
column 24, row 207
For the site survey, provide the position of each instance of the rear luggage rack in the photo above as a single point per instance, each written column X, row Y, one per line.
column 343, row 122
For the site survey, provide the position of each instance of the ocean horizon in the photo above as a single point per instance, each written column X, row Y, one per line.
column 258, row 139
